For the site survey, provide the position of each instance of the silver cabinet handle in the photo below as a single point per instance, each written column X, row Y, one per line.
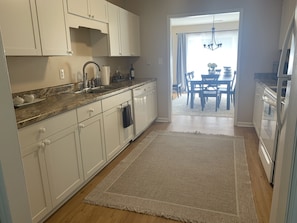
column 81, row 125
column 42, row 130
column 47, row 142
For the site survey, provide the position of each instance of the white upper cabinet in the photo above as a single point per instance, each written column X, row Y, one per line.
column 134, row 34
column 123, row 32
column 98, row 10
column 19, row 27
column 34, row 28
column 114, row 31
column 92, row 9
column 54, row 33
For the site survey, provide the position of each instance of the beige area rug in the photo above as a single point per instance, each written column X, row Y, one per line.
column 180, row 107
column 188, row 177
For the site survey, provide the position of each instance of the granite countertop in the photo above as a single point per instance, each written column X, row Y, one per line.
column 268, row 79
column 65, row 100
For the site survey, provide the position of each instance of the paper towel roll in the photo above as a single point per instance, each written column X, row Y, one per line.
column 105, row 75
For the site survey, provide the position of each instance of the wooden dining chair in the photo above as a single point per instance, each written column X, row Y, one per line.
column 188, row 77
column 223, row 90
column 210, row 89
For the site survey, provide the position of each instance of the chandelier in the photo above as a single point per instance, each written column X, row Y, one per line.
column 213, row 44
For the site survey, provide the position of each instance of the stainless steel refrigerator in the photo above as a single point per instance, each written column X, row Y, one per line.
column 14, row 206
column 284, row 201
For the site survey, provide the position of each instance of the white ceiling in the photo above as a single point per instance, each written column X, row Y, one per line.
column 205, row 19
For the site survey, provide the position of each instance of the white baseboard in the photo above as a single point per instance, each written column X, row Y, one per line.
column 244, row 124
column 162, row 119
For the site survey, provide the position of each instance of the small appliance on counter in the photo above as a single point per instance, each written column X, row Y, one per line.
column 118, row 77
column 105, row 75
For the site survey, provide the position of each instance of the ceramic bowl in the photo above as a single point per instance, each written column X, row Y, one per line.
column 18, row 100
column 28, row 98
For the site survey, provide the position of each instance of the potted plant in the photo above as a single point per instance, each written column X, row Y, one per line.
column 211, row 67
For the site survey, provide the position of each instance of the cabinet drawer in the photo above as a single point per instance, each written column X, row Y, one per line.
column 88, row 111
column 151, row 86
column 116, row 100
column 33, row 133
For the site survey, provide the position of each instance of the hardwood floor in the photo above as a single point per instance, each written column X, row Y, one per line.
column 76, row 211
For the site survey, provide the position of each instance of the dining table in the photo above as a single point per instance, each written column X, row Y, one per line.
column 224, row 80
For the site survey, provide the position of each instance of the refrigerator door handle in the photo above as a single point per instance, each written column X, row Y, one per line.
column 279, row 101
column 281, row 76
column 285, row 48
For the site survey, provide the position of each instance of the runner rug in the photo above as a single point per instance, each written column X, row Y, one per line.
column 188, row 177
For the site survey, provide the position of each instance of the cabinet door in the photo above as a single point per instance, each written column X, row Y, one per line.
column 114, row 31
column 127, row 134
column 129, row 32
column 92, row 145
column 124, row 39
column 152, row 103
column 112, row 134
column 125, row 32
column 134, row 34
column 78, row 7
column 258, row 107
column 155, row 103
column 54, row 34
column 19, row 27
column 98, row 10
column 36, row 182
column 63, row 163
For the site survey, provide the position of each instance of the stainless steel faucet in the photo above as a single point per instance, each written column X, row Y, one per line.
column 85, row 78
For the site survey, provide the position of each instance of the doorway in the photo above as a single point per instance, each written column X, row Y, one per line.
column 197, row 34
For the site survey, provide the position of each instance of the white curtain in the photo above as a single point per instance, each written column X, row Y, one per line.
column 181, row 63
column 198, row 57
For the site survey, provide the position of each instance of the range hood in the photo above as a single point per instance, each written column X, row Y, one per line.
column 77, row 22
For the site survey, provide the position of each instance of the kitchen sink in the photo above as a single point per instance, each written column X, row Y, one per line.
column 99, row 89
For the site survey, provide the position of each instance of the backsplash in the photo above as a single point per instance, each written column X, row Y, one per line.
column 48, row 91
column 261, row 76
column 29, row 73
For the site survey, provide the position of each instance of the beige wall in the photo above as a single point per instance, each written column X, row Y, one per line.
column 27, row 73
column 258, row 43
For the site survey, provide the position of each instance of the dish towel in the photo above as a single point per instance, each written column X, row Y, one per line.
column 127, row 116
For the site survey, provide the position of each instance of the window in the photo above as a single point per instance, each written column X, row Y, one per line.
column 198, row 57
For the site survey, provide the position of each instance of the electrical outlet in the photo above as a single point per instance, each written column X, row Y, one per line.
column 62, row 74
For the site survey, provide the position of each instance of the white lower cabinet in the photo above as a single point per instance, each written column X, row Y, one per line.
column 62, row 153
column 127, row 134
column 111, row 120
column 258, row 107
column 152, row 102
column 63, row 162
column 52, row 162
column 91, row 138
column 116, row 136
column 37, row 182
